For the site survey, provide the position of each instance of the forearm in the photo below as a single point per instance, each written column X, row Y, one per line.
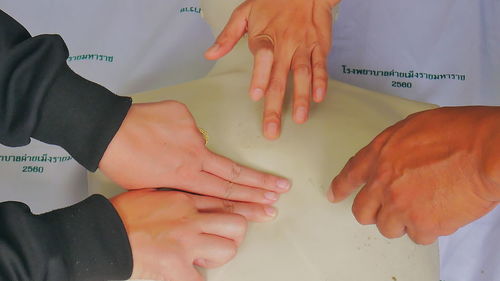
column 86, row 241
column 41, row 97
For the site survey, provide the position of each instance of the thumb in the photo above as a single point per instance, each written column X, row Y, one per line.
column 231, row 34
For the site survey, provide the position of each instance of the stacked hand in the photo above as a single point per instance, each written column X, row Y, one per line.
column 170, row 232
column 427, row 175
column 159, row 145
column 283, row 35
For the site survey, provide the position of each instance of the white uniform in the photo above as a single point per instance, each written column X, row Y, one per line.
column 443, row 52
column 164, row 43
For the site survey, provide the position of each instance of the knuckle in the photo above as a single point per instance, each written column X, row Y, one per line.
column 361, row 215
column 319, row 65
column 228, row 190
column 228, row 206
column 302, row 68
column 235, row 171
column 424, row 240
column 179, row 105
column 229, row 252
column 272, row 116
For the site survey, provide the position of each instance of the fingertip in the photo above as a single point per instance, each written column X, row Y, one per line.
column 270, row 212
column 212, row 52
column 319, row 95
column 300, row 115
column 272, row 130
column 256, row 94
column 330, row 195
column 283, row 185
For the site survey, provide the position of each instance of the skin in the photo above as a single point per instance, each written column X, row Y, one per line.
column 296, row 39
column 427, row 175
column 159, row 145
column 171, row 232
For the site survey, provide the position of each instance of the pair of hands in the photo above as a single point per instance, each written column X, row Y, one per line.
column 159, row 145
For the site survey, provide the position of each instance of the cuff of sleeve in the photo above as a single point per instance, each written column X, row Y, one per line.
column 81, row 117
column 93, row 239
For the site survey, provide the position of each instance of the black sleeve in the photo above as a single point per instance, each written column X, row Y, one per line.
column 86, row 241
column 41, row 97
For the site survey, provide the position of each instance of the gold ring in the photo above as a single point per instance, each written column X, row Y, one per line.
column 205, row 135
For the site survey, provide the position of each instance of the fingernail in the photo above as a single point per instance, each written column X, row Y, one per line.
column 319, row 94
column 271, row 196
column 213, row 48
column 283, row 184
column 330, row 196
column 256, row 94
column 270, row 211
column 272, row 130
column 301, row 114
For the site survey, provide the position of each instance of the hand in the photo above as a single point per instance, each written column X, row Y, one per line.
column 159, row 145
column 170, row 232
column 427, row 175
column 283, row 35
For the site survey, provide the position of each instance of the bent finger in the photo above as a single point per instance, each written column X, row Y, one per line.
column 231, row 34
column 230, row 226
column 213, row 251
column 366, row 206
column 355, row 173
column 390, row 224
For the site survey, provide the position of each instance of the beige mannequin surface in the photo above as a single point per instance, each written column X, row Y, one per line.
column 311, row 239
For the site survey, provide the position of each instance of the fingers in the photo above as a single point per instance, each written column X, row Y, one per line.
column 320, row 74
column 366, row 206
column 229, row 226
column 275, row 95
column 233, row 172
column 355, row 173
column 421, row 237
column 302, row 75
column 262, row 48
column 251, row 211
column 213, row 251
column 359, row 168
column 390, row 224
column 231, row 34
column 208, row 184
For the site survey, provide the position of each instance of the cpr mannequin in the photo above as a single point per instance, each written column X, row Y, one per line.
column 311, row 239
